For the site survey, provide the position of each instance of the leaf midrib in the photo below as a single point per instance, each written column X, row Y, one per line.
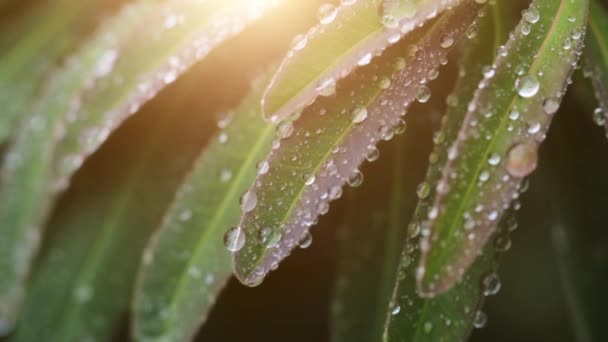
column 548, row 37
column 231, row 196
column 339, row 139
column 498, row 34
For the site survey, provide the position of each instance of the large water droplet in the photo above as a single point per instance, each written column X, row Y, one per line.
column 527, row 86
column 234, row 239
column 522, row 159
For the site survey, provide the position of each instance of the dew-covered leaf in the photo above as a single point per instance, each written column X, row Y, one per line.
column 33, row 44
column 370, row 243
column 347, row 36
column 452, row 315
column 448, row 317
column 82, row 287
column 596, row 58
column 126, row 62
column 322, row 150
column 186, row 265
column 497, row 144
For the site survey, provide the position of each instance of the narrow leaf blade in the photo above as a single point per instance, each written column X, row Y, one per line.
column 83, row 285
column 175, row 293
column 32, row 48
column 411, row 317
column 330, row 51
column 497, row 145
column 323, row 149
column 122, row 66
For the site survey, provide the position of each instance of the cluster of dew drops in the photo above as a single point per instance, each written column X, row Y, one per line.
column 521, row 161
column 234, row 238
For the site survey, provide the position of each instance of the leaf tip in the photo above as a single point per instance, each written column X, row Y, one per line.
column 247, row 276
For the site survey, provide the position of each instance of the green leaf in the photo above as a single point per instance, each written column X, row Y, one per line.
column 596, row 57
column 82, row 287
column 497, row 145
column 186, row 265
column 132, row 57
column 335, row 47
column 371, row 239
column 321, row 151
column 33, row 44
column 449, row 316
column 410, row 317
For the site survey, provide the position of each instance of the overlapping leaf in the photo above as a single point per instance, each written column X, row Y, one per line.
column 596, row 55
column 321, row 151
column 497, row 144
column 347, row 36
column 82, row 288
column 449, row 316
column 126, row 62
column 32, row 48
column 187, row 265
column 371, row 239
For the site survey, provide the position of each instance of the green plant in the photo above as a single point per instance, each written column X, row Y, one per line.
column 155, row 223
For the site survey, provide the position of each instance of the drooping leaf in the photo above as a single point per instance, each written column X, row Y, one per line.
column 449, row 316
column 452, row 315
column 497, row 144
column 33, row 44
column 123, row 65
column 83, row 285
column 346, row 37
column 371, row 239
column 321, row 151
column 596, row 57
column 186, row 264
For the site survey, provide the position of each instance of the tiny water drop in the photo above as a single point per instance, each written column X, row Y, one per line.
column 355, row 179
column 480, row 319
column 327, row 13
column 423, row 190
column 490, row 284
column 598, row 117
column 305, row 241
column 249, row 200
column 446, row 41
column 423, row 94
column 359, row 114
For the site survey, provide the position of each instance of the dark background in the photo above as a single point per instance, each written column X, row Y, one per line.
column 293, row 302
